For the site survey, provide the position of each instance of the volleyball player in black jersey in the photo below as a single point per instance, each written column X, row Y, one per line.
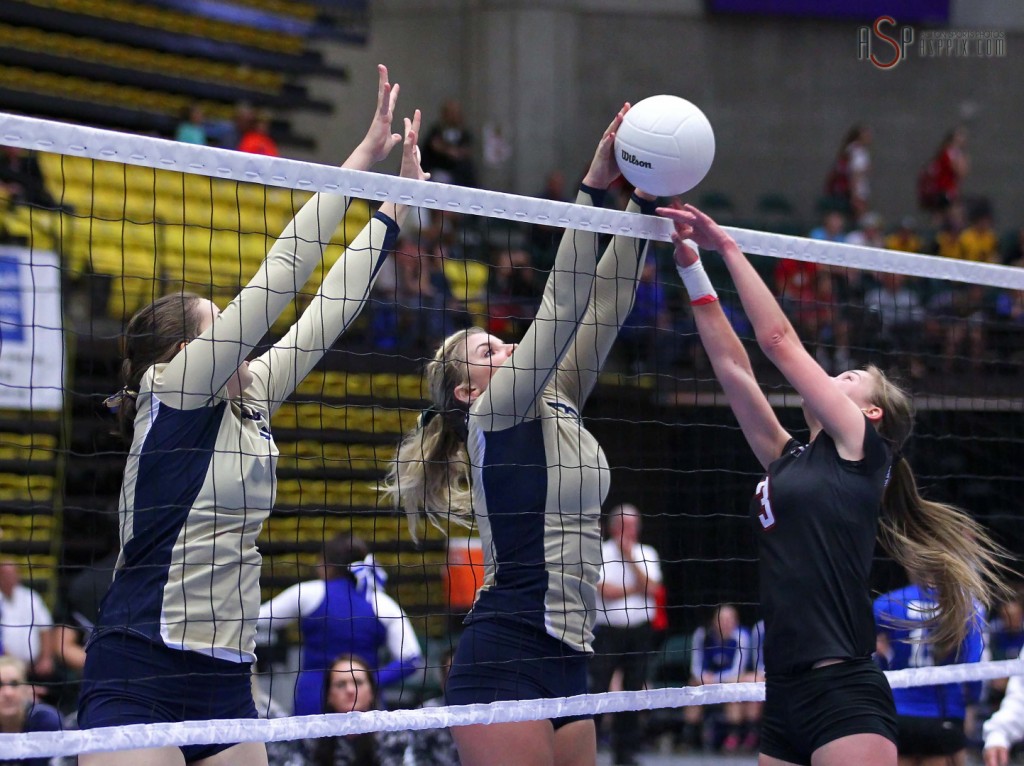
column 817, row 513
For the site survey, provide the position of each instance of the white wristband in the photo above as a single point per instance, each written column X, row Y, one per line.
column 696, row 281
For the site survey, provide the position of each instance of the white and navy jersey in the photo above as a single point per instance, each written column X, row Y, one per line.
column 816, row 520
column 200, row 476
column 539, row 477
column 895, row 615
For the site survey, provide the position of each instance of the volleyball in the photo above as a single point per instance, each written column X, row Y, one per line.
column 665, row 145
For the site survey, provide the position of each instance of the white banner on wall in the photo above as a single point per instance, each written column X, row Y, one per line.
column 31, row 332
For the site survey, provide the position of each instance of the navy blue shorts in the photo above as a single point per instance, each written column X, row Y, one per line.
column 500, row 660
column 129, row 679
column 807, row 710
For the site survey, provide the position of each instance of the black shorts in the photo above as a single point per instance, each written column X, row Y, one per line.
column 930, row 736
column 505, row 660
column 129, row 679
column 805, row 711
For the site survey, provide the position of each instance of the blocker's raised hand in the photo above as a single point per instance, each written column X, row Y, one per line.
column 603, row 168
column 379, row 140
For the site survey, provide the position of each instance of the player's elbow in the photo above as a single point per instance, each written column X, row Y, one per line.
column 775, row 339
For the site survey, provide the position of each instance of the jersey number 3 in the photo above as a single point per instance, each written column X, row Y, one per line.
column 766, row 517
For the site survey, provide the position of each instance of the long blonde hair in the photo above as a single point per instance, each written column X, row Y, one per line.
column 430, row 474
column 940, row 546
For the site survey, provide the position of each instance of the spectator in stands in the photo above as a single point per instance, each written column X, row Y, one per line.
column 630, row 577
column 435, row 747
column 544, row 239
column 649, row 317
column 1013, row 250
column 794, row 280
column 349, row 687
column 753, row 672
column 225, row 133
column 1007, row 630
column 26, row 623
column 289, row 752
column 947, row 238
column 419, row 295
column 930, row 719
column 1007, row 333
column 256, row 138
column 755, row 657
column 938, row 184
column 905, row 238
column 19, row 712
column 897, row 306
column 345, row 610
column 192, row 128
column 21, row 178
column 961, row 316
column 869, row 232
column 448, row 148
column 720, row 651
column 848, row 185
column 1006, row 727
column 176, row 635
column 979, row 242
column 513, row 293
column 1006, row 636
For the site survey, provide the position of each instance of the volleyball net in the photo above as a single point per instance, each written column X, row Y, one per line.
column 132, row 218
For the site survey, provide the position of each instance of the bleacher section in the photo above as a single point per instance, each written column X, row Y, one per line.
column 137, row 233
column 140, row 65
column 30, row 495
column 336, row 437
column 128, row 234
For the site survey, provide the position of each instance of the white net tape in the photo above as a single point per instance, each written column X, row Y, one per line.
column 145, row 151
column 47, row 744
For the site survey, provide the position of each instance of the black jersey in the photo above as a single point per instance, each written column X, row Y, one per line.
column 816, row 518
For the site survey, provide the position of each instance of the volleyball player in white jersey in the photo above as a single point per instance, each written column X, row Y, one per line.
column 176, row 632
column 504, row 440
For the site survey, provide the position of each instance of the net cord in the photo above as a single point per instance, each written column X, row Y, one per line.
column 162, row 154
column 135, row 736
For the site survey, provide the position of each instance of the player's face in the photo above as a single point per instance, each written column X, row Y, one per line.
column 350, row 689
column 13, row 692
column 484, row 355
column 238, row 382
column 859, row 385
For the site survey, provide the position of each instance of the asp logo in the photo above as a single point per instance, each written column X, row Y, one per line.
column 884, row 43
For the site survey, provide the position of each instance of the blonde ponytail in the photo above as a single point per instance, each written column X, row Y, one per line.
column 430, row 475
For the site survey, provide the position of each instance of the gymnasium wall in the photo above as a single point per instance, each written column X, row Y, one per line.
column 780, row 93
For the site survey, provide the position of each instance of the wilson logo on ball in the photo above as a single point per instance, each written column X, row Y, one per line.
column 632, row 159
column 665, row 145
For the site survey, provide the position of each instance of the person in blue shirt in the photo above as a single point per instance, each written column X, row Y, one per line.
column 720, row 652
column 929, row 719
column 19, row 713
column 345, row 612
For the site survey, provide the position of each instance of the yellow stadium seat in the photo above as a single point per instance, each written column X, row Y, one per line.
column 35, row 488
